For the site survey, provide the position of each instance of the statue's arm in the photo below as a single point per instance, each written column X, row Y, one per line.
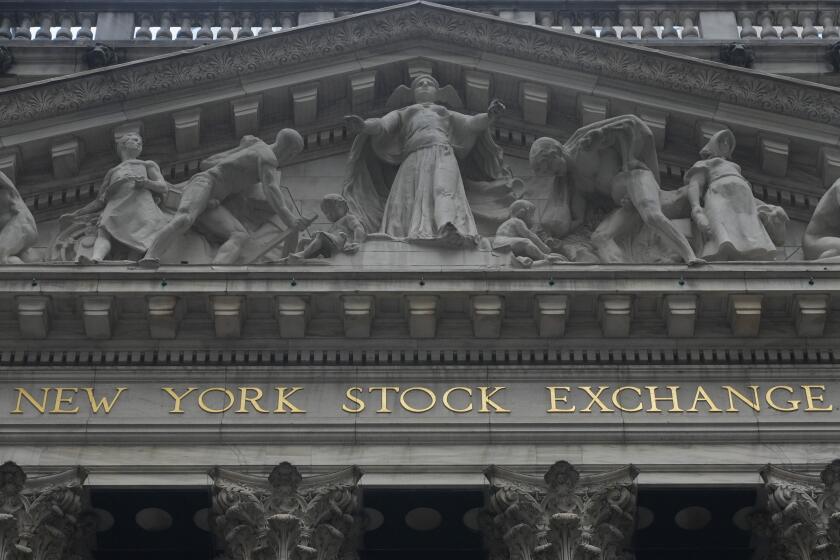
column 359, row 233
column 99, row 203
column 155, row 183
column 270, row 178
column 694, row 192
column 483, row 121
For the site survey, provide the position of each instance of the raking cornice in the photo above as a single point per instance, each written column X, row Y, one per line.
column 420, row 20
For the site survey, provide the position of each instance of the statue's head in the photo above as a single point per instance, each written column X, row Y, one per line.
column 831, row 475
column 285, row 478
column 523, row 209
column 425, row 88
column 12, row 479
column 562, row 477
column 721, row 144
column 287, row 145
column 548, row 157
column 334, row 207
column 129, row 145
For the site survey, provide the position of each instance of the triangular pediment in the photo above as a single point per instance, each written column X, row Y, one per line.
column 198, row 102
column 551, row 81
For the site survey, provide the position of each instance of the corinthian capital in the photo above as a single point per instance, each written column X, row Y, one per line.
column 563, row 516
column 803, row 513
column 39, row 516
column 287, row 517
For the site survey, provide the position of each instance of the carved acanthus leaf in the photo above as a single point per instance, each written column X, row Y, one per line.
column 39, row 518
column 563, row 517
column 287, row 517
column 803, row 513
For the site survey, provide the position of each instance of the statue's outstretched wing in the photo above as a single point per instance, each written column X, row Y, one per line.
column 449, row 97
column 402, row 97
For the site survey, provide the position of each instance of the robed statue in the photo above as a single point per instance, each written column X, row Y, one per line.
column 426, row 173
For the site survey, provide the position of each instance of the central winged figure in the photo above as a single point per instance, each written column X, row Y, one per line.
column 425, row 173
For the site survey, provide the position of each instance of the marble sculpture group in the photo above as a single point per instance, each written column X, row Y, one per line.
column 427, row 174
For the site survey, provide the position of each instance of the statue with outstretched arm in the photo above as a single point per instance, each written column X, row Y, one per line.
column 226, row 174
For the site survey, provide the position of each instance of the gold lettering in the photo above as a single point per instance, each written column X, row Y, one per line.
column 675, row 404
column 355, row 399
column 449, row 406
column 255, row 400
column 228, row 395
column 596, row 398
column 486, row 400
column 283, row 400
column 60, row 399
column 552, row 391
column 754, row 404
column 616, row 394
column 702, row 395
column 428, row 392
column 178, row 398
column 383, row 399
column 793, row 404
column 103, row 403
column 810, row 398
column 39, row 406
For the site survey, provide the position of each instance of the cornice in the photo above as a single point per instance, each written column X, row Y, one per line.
column 416, row 20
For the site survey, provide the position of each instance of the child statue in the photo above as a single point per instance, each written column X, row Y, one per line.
column 516, row 235
column 345, row 235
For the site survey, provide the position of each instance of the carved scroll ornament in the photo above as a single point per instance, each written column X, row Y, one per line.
column 39, row 518
column 287, row 517
column 562, row 517
column 802, row 519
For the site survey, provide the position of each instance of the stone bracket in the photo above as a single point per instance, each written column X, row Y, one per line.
column 534, row 99
column 551, row 313
column 592, row 109
column 487, row 314
column 773, row 154
column 99, row 316
column 358, row 312
column 363, row 90
column 477, row 87
column 246, row 115
column 228, row 315
column 745, row 314
column 10, row 162
column 657, row 121
column 34, row 316
column 187, row 125
column 810, row 312
column 292, row 316
column 680, row 314
column 422, row 315
column 165, row 314
column 305, row 103
column 829, row 165
column 67, row 155
column 615, row 313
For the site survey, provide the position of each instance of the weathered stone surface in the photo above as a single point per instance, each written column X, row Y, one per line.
column 562, row 516
column 287, row 516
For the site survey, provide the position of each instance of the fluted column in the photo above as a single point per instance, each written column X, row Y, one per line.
column 273, row 518
column 561, row 516
column 802, row 516
column 40, row 517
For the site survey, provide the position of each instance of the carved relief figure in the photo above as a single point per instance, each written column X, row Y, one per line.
column 435, row 149
column 128, row 212
column 734, row 224
column 17, row 225
column 616, row 158
column 345, row 235
column 822, row 236
column 515, row 234
column 224, row 175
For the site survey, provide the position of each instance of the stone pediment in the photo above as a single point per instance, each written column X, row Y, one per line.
column 428, row 23
column 193, row 104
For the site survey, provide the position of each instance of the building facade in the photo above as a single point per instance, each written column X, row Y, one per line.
column 506, row 280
